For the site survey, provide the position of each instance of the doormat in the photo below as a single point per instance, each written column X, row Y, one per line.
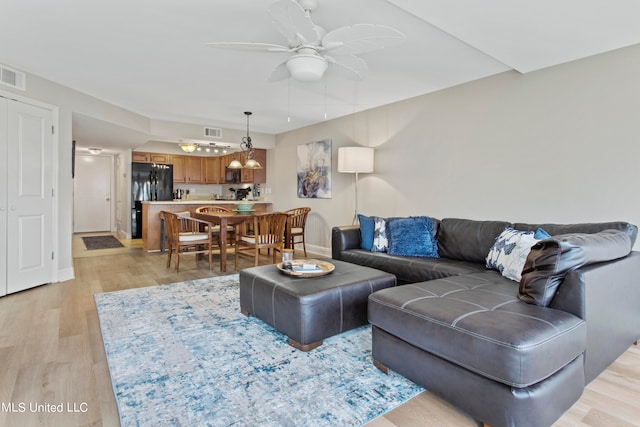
column 101, row 242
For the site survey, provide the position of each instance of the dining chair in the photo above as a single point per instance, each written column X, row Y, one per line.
column 267, row 232
column 296, row 222
column 215, row 229
column 185, row 237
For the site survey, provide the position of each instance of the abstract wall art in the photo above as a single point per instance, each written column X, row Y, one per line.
column 314, row 170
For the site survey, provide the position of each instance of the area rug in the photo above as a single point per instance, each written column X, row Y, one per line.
column 101, row 242
column 183, row 355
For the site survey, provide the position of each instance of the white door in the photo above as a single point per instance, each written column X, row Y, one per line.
column 29, row 251
column 92, row 193
column 3, row 195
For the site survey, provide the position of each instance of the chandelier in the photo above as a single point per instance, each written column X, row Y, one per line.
column 248, row 152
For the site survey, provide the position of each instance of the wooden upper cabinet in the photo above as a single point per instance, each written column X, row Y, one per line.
column 256, row 176
column 212, row 173
column 195, row 170
column 141, row 157
column 179, row 169
column 246, row 175
column 205, row 170
column 260, row 175
column 164, row 159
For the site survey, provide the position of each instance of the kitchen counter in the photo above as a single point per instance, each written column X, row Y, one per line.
column 151, row 213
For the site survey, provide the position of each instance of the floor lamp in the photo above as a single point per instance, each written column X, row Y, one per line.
column 355, row 160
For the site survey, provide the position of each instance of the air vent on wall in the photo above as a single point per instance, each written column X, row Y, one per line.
column 213, row 132
column 13, row 78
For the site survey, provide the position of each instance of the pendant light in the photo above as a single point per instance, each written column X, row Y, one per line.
column 247, row 150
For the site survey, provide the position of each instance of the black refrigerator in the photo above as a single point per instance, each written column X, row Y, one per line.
column 149, row 181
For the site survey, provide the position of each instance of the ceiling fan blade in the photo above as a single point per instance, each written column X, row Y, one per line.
column 249, row 46
column 361, row 38
column 348, row 66
column 293, row 22
column 279, row 73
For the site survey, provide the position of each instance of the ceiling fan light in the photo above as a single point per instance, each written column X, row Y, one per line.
column 307, row 67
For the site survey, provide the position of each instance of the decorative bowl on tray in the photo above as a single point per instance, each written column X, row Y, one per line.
column 244, row 207
column 307, row 268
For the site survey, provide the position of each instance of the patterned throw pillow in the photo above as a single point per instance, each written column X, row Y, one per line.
column 514, row 262
column 503, row 247
column 380, row 242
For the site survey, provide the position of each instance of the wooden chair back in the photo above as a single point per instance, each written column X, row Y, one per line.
column 184, row 236
column 267, row 232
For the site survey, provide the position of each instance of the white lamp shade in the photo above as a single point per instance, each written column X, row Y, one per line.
column 355, row 159
column 307, row 67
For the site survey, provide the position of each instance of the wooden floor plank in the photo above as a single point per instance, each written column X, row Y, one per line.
column 51, row 351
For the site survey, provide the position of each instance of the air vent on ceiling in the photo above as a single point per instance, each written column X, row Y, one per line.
column 13, row 78
column 213, row 132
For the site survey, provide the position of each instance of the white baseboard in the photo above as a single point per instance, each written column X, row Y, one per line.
column 66, row 274
column 321, row 250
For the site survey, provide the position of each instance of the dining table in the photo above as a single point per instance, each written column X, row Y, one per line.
column 225, row 219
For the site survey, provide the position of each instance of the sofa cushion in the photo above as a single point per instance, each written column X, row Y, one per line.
column 476, row 321
column 410, row 269
column 555, row 229
column 412, row 236
column 550, row 259
column 366, row 231
column 466, row 239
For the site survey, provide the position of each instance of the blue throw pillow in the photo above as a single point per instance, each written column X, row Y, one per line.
column 541, row 234
column 412, row 236
column 366, row 231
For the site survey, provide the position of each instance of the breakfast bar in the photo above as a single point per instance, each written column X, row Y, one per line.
column 151, row 216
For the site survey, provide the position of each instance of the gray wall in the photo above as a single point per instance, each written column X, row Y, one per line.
column 560, row 145
column 557, row 145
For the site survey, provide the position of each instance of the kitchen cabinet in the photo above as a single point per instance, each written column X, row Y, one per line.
column 179, row 169
column 260, row 175
column 141, row 157
column 187, row 170
column 206, row 170
column 195, row 170
column 212, row 173
column 256, row 176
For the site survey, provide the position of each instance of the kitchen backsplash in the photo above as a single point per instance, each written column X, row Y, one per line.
column 206, row 191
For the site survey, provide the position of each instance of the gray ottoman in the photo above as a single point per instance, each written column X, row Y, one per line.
column 309, row 310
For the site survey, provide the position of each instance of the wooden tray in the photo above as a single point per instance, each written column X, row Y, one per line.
column 326, row 267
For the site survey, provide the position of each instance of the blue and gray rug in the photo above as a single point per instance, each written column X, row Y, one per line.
column 183, row 355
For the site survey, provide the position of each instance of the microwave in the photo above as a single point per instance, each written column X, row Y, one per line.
column 232, row 176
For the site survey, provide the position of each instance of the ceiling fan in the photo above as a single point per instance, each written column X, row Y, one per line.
column 312, row 49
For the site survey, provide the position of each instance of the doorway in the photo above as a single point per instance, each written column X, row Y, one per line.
column 92, row 199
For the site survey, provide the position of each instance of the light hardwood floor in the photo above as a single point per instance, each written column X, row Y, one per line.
column 52, row 356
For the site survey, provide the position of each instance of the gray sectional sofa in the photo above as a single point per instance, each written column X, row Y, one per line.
column 507, row 353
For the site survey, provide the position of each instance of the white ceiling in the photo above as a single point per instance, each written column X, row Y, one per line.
column 149, row 56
